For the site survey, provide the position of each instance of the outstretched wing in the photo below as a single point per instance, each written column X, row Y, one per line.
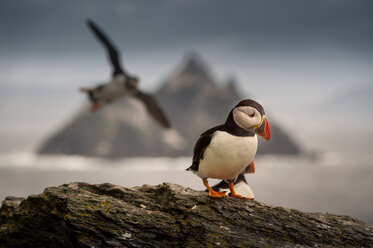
column 153, row 108
column 200, row 147
column 111, row 50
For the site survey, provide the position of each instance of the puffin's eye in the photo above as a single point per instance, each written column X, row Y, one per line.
column 252, row 115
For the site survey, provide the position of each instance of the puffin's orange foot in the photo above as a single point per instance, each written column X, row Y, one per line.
column 216, row 194
column 233, row 193
column 213, row 193
column 240, row 196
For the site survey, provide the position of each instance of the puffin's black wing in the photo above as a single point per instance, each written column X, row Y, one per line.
column 112, row 51
column 201, row 145
column 153, row 108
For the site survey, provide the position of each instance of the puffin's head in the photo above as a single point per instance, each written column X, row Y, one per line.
column 249, row 115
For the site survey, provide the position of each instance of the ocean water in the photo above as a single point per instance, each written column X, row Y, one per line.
column 332, row 182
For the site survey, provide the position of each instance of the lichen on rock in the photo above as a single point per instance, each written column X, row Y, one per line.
column 167, row 215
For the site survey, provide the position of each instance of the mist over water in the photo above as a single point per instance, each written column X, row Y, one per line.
column 333, row 182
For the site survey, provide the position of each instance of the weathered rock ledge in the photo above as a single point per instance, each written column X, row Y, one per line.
column 167, row 215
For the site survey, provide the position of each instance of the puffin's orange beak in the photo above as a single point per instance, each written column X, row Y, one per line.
column 264, row 130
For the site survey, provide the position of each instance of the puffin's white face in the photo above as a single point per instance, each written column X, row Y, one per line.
column 247, row 117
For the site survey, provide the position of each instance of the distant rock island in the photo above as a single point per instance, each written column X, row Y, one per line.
column 191, row 98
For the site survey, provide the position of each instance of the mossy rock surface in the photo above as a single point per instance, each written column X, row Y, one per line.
column 167, row 215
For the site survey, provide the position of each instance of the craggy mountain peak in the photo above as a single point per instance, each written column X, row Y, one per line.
column 192, row 99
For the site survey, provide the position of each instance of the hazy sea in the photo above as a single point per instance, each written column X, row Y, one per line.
column 332, row 182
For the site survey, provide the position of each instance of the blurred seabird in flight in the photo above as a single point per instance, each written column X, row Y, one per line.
column 121, row 83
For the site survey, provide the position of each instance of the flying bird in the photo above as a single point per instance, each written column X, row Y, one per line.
column 121, row 84
column 226, row 151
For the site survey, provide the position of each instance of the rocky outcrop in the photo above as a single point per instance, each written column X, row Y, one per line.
column 167, row 215
column 192, row 99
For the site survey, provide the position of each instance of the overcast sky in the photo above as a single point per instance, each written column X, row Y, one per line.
column 292, row 55
column 47, row 26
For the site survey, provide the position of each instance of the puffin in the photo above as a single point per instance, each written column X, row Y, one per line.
column 121, row 84
column 228, row 150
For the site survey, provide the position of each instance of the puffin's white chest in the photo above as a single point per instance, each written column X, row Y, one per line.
column 227, row 156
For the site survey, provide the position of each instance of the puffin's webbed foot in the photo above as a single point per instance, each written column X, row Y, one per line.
column 233, row 193
column 240, row 196
column 213, row 193
column 216, row 194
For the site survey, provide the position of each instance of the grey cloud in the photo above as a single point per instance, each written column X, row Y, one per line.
column 43, row 26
